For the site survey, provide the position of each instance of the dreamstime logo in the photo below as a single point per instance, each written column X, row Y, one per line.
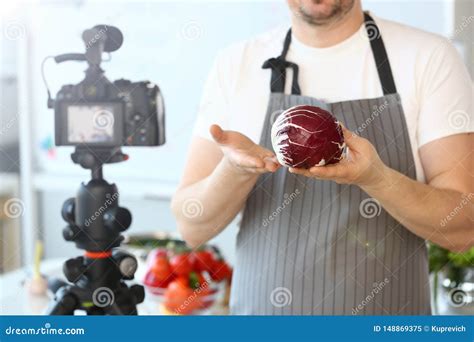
column 459, row 119
column 14, row 208
column 457, row 297
column 103, row 120
column 14, row 30
column 371, row 31
column 274, row 115
column 280, row 297
column 192, row 208
column 288, row 199
column 102, row 297
column 369, row 208
column 192, row 30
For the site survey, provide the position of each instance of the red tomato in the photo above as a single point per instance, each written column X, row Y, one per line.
column 204, row 261
column 180, row 297
column 182, row 264
column 160, row 273
column 221, row 271
column 204, row 295
column 154, row 254
column 152, row 280
column 162, row 268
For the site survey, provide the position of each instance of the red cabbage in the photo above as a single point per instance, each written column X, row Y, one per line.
column 307, row 136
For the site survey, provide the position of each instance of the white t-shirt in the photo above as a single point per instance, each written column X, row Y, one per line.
column 434, row 85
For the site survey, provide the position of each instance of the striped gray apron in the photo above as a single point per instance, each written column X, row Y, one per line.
column 314, row 247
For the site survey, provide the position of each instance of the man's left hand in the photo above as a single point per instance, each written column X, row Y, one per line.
column 361, row 165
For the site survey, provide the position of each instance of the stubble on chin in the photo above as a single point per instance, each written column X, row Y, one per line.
column 338, row 11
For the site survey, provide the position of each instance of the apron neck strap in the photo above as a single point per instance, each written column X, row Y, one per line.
column 279, row 64
column 380, row 56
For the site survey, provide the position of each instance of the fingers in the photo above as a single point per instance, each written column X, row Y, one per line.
column 337, row 171
column 302, row 172
column 271, row 164
column 243, row 152
column 248, row 161
column 350, row 138
column 332, row 171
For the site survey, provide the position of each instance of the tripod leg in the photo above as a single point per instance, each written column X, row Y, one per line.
column 64, row 304
column 94, row 311
column 114, row 309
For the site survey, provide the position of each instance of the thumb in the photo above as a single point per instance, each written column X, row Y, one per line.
column 350, row 138
column 218, row 134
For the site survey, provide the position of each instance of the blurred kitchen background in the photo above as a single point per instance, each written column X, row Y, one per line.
column 172, row 43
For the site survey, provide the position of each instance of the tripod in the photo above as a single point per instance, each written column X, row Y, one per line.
column 95, row 222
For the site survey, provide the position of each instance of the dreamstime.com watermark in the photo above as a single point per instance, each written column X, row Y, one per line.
column 461, row 27
column 46, row 330
column 370, row 297
column 466, row 199
column 7, row 126
column 100, row 33
column 108, row 202
column 192, row 298
column 288, row 199
column 375, row 113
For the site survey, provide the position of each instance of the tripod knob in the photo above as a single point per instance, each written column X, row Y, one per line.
column 128, row 267
column 68, row 210
column 118, row 219
column 74, row 268
column 70, row 232
column 126, row 262
column 139, row 293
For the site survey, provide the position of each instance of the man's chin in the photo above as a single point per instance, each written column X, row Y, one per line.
column 321, row 13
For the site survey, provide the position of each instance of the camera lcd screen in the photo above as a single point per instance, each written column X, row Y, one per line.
column 90, row 123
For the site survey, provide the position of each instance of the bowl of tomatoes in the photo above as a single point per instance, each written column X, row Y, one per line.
column 185, row 281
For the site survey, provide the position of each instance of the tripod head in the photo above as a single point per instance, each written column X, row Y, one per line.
column 95, row 219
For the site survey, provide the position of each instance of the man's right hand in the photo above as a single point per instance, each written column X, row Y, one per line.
column 242, row 153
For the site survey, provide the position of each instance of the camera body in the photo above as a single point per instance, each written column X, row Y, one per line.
column 99, row 115
column 109, row 114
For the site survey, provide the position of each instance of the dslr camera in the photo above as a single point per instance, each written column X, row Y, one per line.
column 97, row 114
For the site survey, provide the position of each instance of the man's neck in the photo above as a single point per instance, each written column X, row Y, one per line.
column 328, row 35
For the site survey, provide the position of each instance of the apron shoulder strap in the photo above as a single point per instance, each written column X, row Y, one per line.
column 380, row 55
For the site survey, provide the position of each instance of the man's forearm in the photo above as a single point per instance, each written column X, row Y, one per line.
column 438, row 215
column 205, row 208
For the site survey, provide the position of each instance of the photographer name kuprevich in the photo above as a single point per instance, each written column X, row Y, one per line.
column 447, row 329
